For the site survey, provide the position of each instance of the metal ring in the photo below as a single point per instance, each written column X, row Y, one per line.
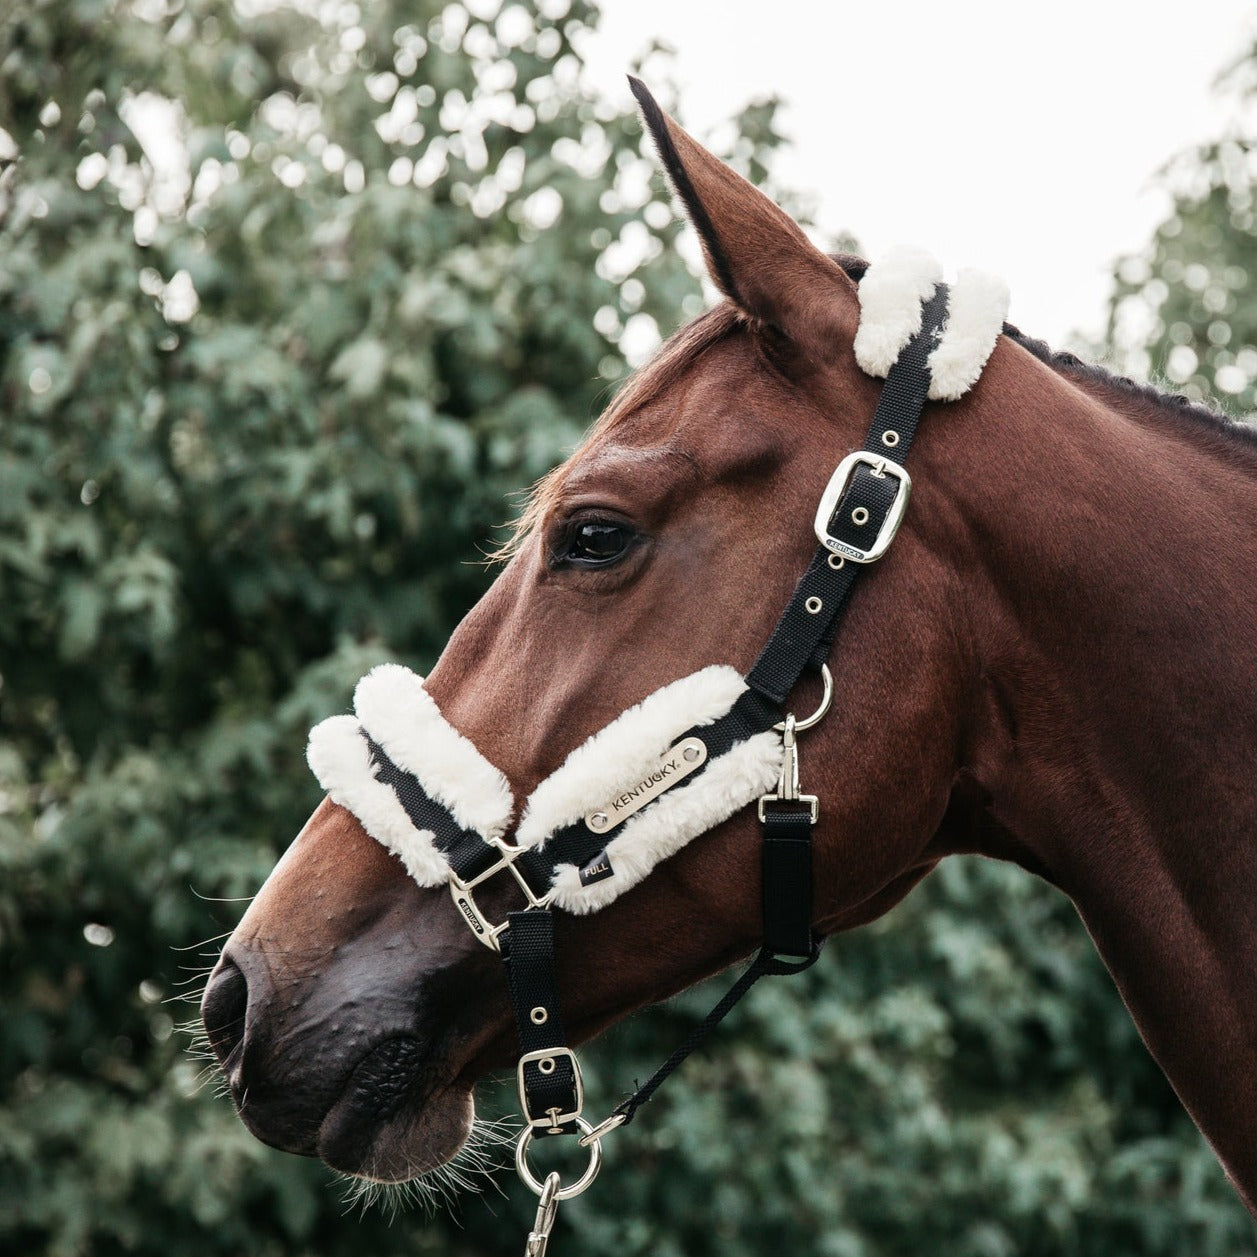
column 836, row 561
column 546, row 1065
column 813, row 605
column 890, row 437
column 539, row 1016
column 860, row 515
column 564, row 1193
column 827, row 679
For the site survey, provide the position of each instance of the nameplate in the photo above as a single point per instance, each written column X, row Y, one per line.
column 674, row 765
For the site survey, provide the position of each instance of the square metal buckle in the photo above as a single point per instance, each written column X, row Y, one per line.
column 837, row 486
column 810, row 801
column 464, row 898
column 552, row 1120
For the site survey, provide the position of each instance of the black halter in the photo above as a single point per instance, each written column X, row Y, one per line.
column 858, row 516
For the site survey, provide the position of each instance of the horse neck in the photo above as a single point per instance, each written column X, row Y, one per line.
column 1113, row 607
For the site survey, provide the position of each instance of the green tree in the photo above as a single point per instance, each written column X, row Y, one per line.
column 265, row 392
column 291, row 299
column 1184, row 310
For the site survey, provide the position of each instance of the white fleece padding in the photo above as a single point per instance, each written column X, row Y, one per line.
column 404, row 719
column 977, row 305
column 891, row 294
column 618, row 756
column 339, row 757
column 395, row 711
column 727, row 783
column 621, row 753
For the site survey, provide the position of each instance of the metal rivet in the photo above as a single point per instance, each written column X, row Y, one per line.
column 598, row 820
column 890, row 437
column 546, row 1064
column 690, row 754
column 539, row 1016
column 859, row 516
column 813, row 605
column 836, row 561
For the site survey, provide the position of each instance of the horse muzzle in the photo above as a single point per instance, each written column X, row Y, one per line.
column 352, row 1044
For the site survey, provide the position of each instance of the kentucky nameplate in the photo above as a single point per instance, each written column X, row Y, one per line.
column 674, row 765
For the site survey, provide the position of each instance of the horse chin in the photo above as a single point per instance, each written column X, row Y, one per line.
column 384, row 1128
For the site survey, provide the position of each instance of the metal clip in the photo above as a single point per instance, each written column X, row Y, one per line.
column 547, row 1211
column 788, row 783
column 788, row 786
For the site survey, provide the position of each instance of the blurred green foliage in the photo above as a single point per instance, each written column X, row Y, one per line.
column 1183, row 309
column 265, row 392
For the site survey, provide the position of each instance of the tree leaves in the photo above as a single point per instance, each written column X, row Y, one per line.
column 258, row 422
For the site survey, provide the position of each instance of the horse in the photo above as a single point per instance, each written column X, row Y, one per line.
column 1055, row 665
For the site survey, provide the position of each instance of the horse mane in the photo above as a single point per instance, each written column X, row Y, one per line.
column 683, row 349
column 1142, row 395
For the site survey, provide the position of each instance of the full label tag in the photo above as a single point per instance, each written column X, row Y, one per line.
column 597, row 870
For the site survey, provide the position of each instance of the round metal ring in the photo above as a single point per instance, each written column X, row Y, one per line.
column 860, row 515
column 564, row 1193
column 836, row 561
column 890, row 437
column 539, row 1016
column 546, row 1065
column 827, row 679
column 813, row 605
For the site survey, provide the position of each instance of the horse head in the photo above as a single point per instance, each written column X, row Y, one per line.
column 353, row 1009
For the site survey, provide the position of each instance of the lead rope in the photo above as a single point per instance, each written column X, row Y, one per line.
column 857, row 518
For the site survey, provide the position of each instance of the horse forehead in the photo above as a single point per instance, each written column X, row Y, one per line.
column 700, row 431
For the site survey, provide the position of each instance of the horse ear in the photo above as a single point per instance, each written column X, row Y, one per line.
column 756, row 254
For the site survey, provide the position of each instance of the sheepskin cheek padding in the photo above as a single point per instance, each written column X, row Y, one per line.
column 620, row 755
column 401, row 716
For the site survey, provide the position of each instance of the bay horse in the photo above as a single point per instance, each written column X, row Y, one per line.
column 1054, row 665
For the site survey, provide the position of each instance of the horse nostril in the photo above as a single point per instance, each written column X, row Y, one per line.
column 223, row 1007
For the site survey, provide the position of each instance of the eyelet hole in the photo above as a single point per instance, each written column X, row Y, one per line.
column 546, row 1064
column 890, row 437
column 813, row 606
column 539, row 1016
column 859, row 516
column 836, row 561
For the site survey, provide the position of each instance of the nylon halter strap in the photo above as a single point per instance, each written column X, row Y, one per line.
column 856, row 520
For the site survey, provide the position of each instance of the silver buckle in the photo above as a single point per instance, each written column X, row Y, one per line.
column 465, row 901
column 837, row 486
column 553, row 1120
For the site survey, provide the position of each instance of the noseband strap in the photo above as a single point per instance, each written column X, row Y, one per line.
column 680, row 763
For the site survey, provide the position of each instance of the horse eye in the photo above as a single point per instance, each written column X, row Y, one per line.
column 595, row 543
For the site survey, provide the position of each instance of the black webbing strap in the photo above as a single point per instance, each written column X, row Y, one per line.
column 802, row 637
column 577, row 844
column 549, row 1075
column 764, row 965
column 787, row 872
column 810, row 620
column 549, row 1088
column 468, row 853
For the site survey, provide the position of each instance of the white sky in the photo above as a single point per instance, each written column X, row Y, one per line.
column 1022, row 139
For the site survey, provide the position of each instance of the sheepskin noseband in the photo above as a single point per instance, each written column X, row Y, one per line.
column 395, row 715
